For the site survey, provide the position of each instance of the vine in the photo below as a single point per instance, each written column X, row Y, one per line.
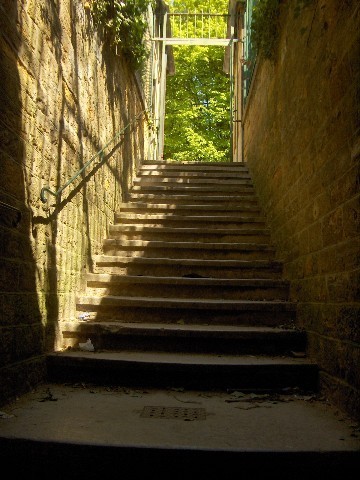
column 265, row 25
column 125, row 25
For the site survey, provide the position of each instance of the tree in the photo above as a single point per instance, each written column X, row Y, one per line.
column 197, row 100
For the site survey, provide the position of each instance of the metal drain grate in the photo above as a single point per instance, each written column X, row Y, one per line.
column 179, row 413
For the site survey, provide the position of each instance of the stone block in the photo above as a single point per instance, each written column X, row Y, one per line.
column 344, row 286
column 9, row 274
column 28, row 341
column 339, row 80
column 332, row 227
column 346, row 186
column 21, row 377
column 12, row 179
column 347, row 256
column 342, row 394
column 351, row 218
column 336, row 358
column 315, row 237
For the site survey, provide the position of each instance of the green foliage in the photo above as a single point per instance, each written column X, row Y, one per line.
column 125, row 25
column 197, row 97
column 265, row 27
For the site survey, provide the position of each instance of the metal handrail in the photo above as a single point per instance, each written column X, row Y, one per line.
column 99, row 154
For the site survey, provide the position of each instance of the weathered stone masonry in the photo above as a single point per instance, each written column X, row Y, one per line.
column 302, row 144
column 63, row 97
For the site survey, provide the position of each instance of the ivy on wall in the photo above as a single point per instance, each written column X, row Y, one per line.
column 265, row 25
column 125, row 25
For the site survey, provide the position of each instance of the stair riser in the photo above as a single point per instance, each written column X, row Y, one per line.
column 240, row 175
column 271, row 345
column 188, row 222
column 192, row 210
column 194, row 191
column 267, row 377
column 188, row 237
column 194, row 169
column 190, row 164
column 181, row 270
column 189, row 253
column 187, row 291
column 174, row 199
column 157, row 180
column 161, row 314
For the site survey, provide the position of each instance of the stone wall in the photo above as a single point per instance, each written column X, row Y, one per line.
column 302, row 144
column 64, row 96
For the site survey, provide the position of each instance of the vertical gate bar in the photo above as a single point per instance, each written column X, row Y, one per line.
column 162, row 90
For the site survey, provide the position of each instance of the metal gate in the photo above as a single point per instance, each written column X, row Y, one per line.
column 198, row 28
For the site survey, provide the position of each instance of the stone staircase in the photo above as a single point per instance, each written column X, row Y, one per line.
column 187, row 292
column 197, row 366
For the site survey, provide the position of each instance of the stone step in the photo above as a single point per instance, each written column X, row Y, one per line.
column 158, row 164
column 215, row 189
column 216, row 339
column 226, row 221
column 191, row 234
column 191, row 181
column 200, row 174
column 178, row 267
column 193, row 371
column 140, row 207
column 192, row 311
column 187, row 287
column 198, row 250
column 188, row 199
column 184, row 165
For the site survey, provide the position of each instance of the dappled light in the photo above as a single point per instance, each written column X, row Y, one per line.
column 179, row 210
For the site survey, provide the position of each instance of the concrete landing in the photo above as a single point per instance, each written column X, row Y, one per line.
column 292, row 434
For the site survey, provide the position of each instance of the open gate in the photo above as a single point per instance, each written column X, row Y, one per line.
column 198, row 28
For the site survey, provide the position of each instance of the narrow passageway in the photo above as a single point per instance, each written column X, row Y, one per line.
column 203, row 317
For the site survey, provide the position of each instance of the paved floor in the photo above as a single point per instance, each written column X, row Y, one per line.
column 210, row 420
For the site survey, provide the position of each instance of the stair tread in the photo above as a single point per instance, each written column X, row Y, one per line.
column 154, row 180
column 257, row 282
column 189, row 302
column 184, row 261
column 221, row 231
column 227, row 198
column 193, row 174
column 189, row 245
column 187, row 261
column 188, row 188
column 158, row 163
column 192, row 206
column 189, row 218
column 178, row 327
column 160, row 357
